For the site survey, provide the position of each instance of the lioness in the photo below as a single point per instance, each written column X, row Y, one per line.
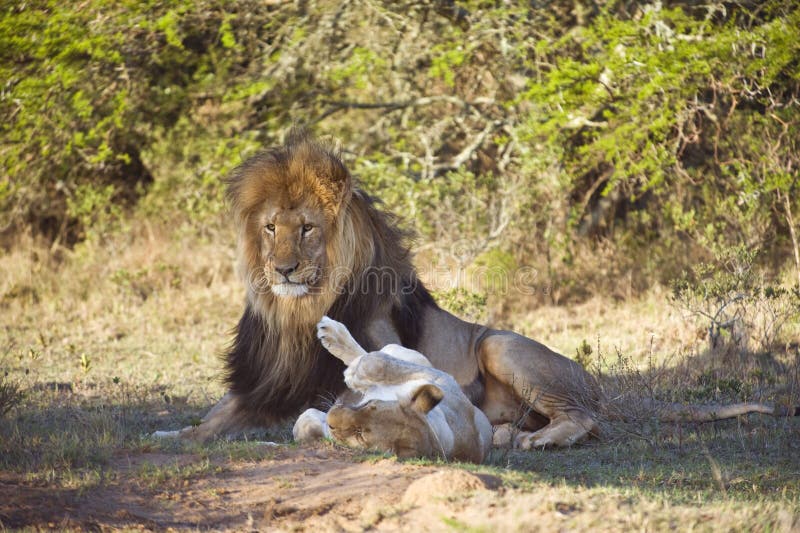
column 312, row 244
column 406, row 407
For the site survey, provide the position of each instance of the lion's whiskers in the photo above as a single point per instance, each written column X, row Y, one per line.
column 436, row 436
column 258, row 281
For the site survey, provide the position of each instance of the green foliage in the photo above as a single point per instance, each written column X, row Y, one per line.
column 86, row 90
column 740, row 307
column 445, row 61
column 583, row 354
column 645, row 134
column 461, row 302
column 358, row 69
column 10, row 394
column 677, row 120
column 93, row 208
column 189, row 183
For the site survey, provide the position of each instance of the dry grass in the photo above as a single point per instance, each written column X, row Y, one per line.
column 109, row 343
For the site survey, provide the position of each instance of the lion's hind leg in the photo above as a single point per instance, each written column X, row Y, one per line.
column 336, row 338
column 534, row 377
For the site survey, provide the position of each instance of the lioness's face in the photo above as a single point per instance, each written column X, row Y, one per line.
column 385, row 426
column 292, row 249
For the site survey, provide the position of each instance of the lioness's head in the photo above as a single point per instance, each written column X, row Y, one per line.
column 394, row 426
column 287, row 202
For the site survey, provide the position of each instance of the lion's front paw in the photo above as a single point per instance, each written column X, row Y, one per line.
column 166, row 434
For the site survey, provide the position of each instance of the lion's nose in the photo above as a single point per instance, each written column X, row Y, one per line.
column 286, row 271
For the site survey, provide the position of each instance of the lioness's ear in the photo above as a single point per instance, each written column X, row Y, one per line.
column 426, row 397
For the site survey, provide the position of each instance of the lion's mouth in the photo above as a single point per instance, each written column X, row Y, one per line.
column 289, row 289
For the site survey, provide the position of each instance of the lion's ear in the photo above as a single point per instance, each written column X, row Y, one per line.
column 426, row 397
column 336, row 180
column 321, row 170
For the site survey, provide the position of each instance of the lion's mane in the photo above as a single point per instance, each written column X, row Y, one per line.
column 275, row 365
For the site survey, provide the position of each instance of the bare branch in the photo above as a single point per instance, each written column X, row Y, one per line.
column 340, row 105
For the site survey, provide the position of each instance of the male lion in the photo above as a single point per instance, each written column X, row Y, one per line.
column 402, row 405
column 311, row 244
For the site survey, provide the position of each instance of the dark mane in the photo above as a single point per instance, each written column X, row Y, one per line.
column 389, row 285
column 249, row 359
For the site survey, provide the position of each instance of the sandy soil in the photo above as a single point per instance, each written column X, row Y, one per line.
column 330, row 489
column 299, row 489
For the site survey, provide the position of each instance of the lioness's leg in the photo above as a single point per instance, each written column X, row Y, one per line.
column 406, row 354
column 336, row 338
column 367, row 370
column 311, row 425
column 544, row 381
column 380, row 370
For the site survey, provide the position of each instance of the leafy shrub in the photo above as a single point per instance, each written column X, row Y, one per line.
column 87, row 88
column 463, row 303
column 639, row 134
column 741, row 309
column 10, row 394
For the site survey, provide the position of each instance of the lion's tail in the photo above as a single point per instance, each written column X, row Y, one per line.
column 676, row 412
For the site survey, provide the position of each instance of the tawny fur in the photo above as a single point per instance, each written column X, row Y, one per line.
column 400, row 405
column 355, row 266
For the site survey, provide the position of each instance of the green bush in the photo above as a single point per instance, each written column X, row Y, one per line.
column 735, row 301
column 87, row 90
column 641, row 136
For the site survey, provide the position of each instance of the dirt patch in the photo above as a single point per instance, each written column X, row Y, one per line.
column 447, row 484
column 316, row 489
column 321, row 489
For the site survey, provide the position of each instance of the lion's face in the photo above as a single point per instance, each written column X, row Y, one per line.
column 394, row 426
column 288, row 203
column 292, row 249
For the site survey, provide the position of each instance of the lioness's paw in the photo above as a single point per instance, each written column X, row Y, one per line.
column 311, row 425
column 503, row 435
column 337, row 340
column 326, row 330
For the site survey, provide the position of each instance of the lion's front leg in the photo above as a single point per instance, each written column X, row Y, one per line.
column 564, row 430
column 223, row 419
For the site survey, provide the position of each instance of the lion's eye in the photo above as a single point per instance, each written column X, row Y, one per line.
column 307, row 228
column 270, row 228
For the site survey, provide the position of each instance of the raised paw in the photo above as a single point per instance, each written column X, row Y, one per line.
column 337, row 340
